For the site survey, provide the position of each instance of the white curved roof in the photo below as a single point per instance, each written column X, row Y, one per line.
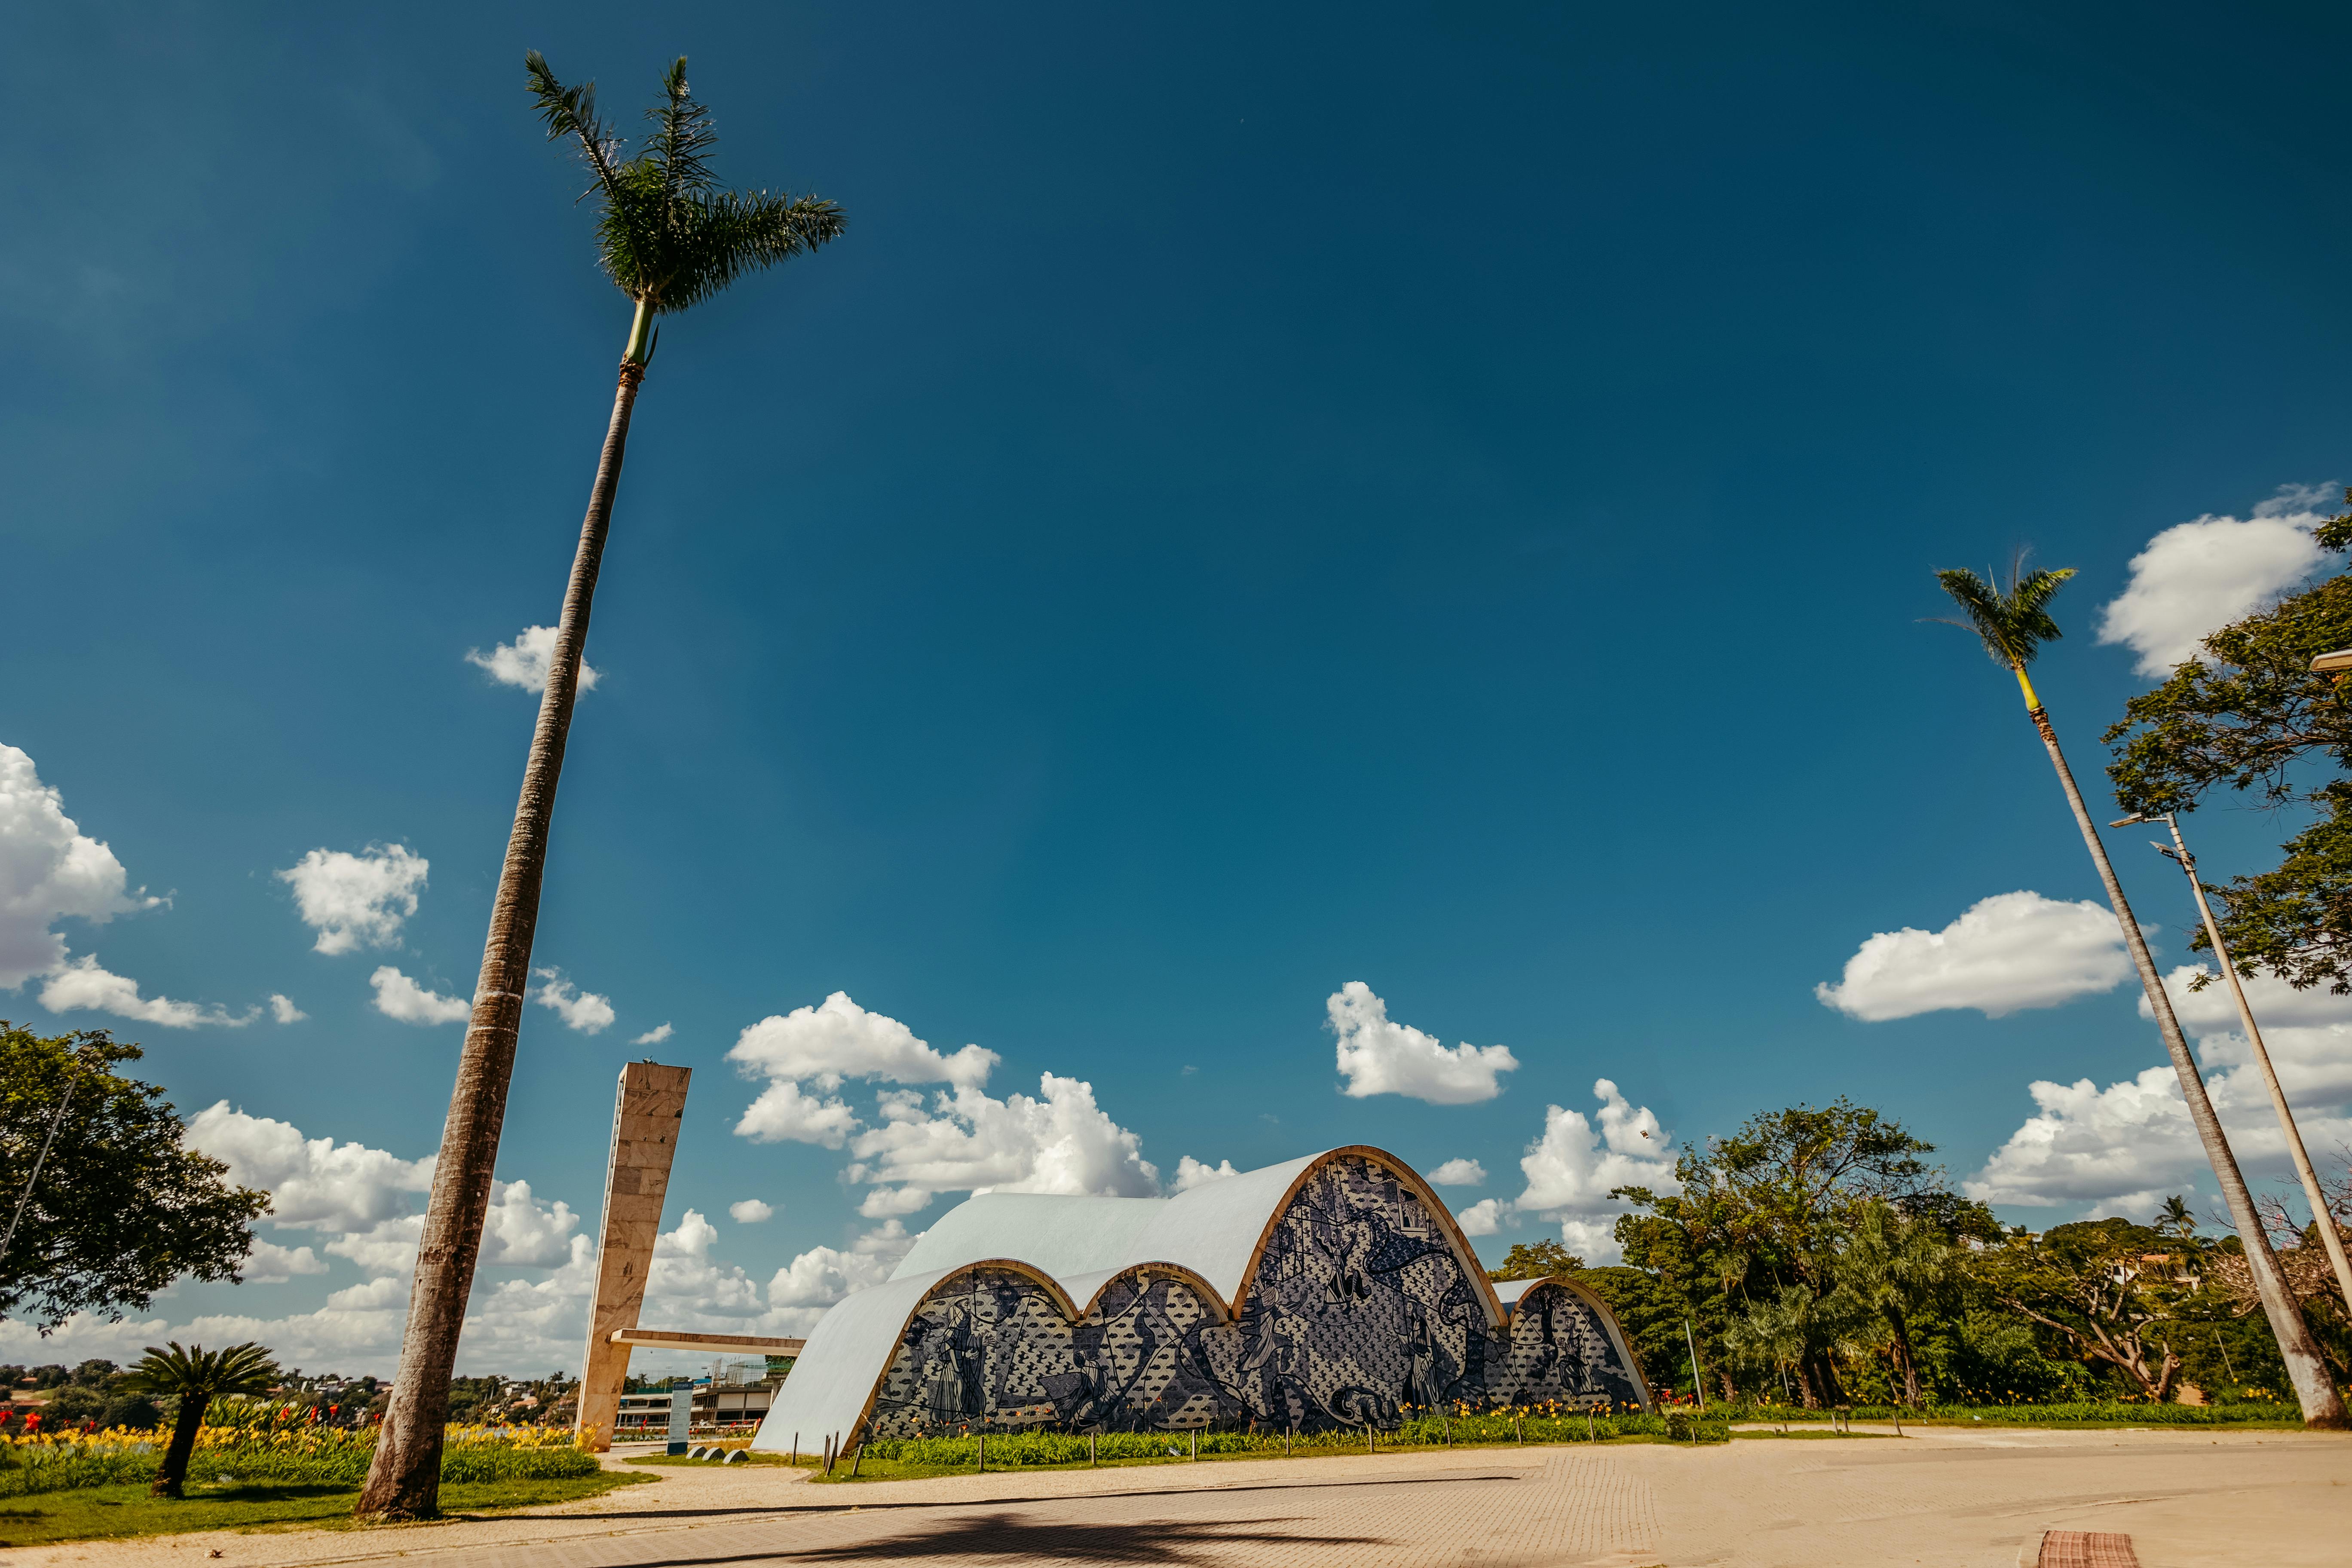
column 1063, row 1236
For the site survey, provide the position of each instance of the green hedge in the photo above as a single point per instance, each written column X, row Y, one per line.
column 1012, row 1449
column 2102, row 1413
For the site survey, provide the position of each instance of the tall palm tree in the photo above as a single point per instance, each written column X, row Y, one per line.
column 669, row 238
column 195, row 1377
column 2013, row 622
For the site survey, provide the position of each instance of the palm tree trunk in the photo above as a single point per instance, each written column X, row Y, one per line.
column 172, row 1475
column 2314, row 1390
column 405, row 1478
column 1909, row 1362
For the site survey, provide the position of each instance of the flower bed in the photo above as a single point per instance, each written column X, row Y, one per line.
column 280, row 1453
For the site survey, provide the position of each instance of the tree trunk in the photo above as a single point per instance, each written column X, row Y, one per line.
column 1908, row 1362
column 172, row 1475
column 404, row 1479
column 2313, row 1388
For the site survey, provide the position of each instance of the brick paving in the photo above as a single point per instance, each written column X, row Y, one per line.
column 1937, row 1497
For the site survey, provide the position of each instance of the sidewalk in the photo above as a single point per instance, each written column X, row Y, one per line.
column 1941, row 1497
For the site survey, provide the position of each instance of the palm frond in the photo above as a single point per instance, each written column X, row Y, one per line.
column 666, row 234
column 571, row 112
column 202, row 1374
column 683, row 134
column 2012, row 621
column 736, row 232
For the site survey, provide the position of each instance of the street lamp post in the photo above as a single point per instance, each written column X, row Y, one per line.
column 2322, row 1219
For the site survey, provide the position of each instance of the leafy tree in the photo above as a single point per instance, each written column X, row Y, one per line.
column 2252, row 716
column 73, row 1405
column 2013, row 623
column 2091, row 1284
column 1536, row 1260
column 669, row 238
column 1891, row 1272
column 195, row 1377
column 121, row 1207
column 1759, row 1213
column 1652, row 1310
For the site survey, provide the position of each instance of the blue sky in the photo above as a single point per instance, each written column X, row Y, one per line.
column 1258, row 500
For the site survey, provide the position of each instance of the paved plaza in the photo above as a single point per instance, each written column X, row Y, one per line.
column 1947, row 1498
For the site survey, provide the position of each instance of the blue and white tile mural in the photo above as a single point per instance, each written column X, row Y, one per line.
column 1357, row 1311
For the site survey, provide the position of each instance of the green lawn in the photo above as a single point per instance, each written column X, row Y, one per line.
column 94, row 1512
column 712, row 1464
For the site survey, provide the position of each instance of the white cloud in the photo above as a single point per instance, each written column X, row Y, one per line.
column 81, row 983
column 818, row 1278
column 2125, row 1147
column 403, row 1001
column 1570, row 1169
column 1459, row 1173
column 838, row 1040
column 49, row 870
column 751, row 1211
column 654, row 1037
column 2008, row 951
column 315, row 1183
column 967, row 1142
column 524, row 662
column 784, row 1114
column 2196, row 577
column 1378, row 1057
column 1192, row 1173
column 582, row 1010
column 266, row 1263
column 1483, row 1217
column 282, row 1008
column 363, row 1205
column 355, row 900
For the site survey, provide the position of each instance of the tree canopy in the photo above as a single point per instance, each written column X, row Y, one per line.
column 1536, row 1260
column 121, row 1207
column 2251, row 716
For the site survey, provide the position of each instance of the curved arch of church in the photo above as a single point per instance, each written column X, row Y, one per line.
column 1356, row 1309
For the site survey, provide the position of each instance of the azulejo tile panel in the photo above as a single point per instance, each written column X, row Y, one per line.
column 1358, row 1312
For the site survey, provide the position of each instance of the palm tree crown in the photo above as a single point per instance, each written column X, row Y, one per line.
column 668, row 237
column 201, row 1375
column 2013, row 621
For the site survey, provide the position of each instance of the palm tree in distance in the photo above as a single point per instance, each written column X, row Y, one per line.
column 195, row 1377
column 669, row 238
column 2013, row 622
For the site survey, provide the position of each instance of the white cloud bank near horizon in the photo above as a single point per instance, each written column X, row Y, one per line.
column 2197, row 577
column 2123, row 1148
column 2002, row 955
column 347, row 1205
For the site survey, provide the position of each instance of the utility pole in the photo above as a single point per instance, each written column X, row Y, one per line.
column 1699, row 1379
column 2323, row 1220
